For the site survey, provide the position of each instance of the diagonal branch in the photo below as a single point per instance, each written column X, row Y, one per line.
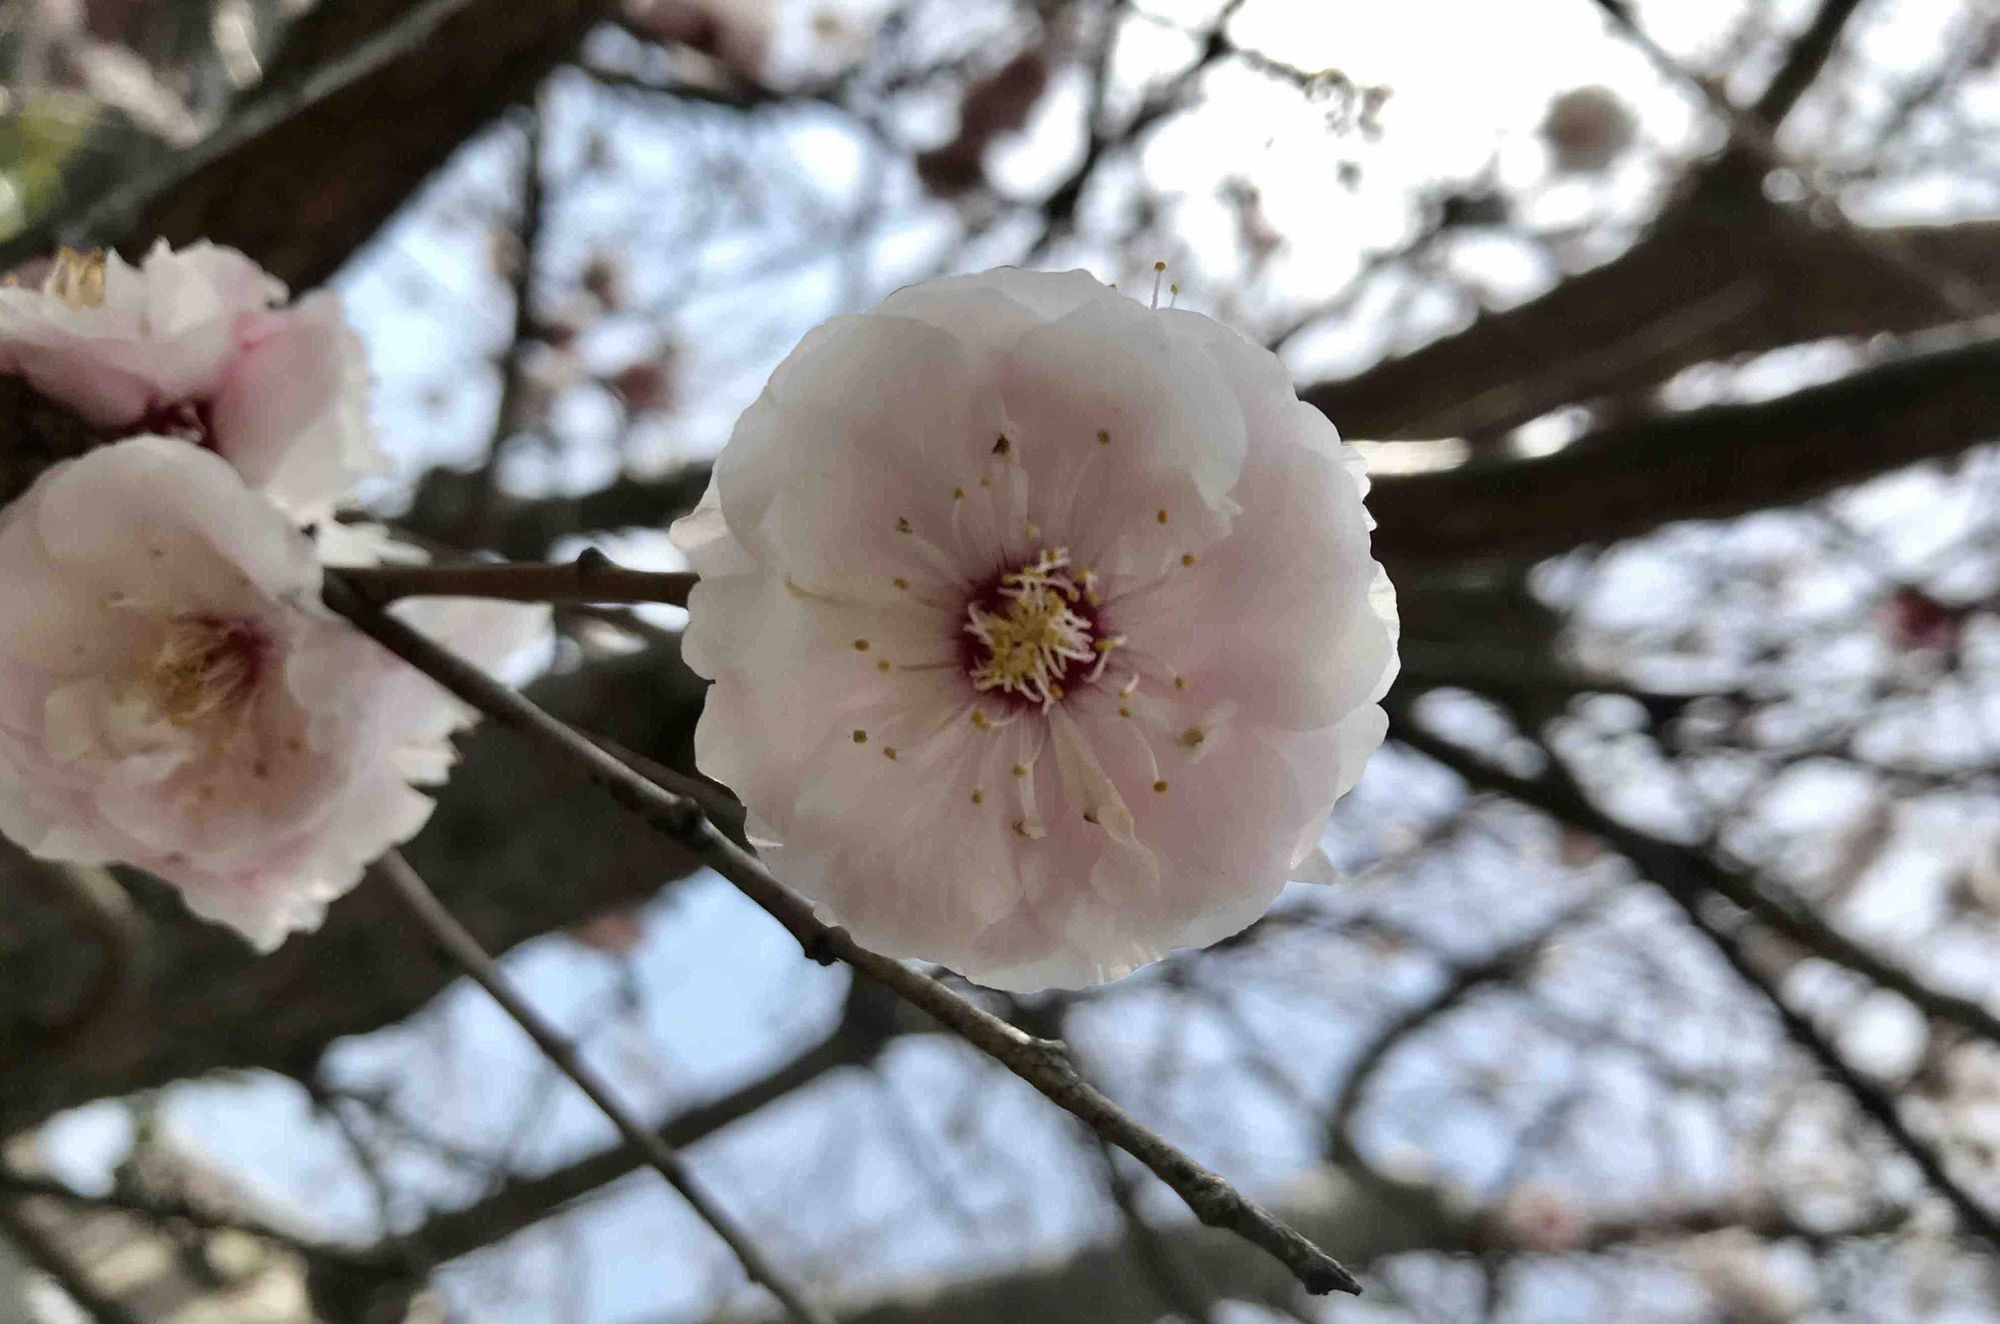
column 1039, row 1063
column 1558, row 795
column 1722, row 460
column 107, row 218
column 524, row 1201
column 1694, row 873
column 1808, row 55
column 1617, row 481
column 470, row 957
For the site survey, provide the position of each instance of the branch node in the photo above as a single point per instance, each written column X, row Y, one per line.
column 819, row 946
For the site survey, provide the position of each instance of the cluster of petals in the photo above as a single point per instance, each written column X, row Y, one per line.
column 199, row 344
column 173, row 693
column 1043, row 627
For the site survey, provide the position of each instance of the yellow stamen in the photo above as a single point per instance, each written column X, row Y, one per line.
column 1035, row 636
column 203, row 667
column 78, row 278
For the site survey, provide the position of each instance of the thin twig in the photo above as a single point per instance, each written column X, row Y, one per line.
column 513, row 357
column 1558, row 795
column 1040, row 1063
column 590, row 578
column 469, row 956
column 867, row 1029
column 1675, row 866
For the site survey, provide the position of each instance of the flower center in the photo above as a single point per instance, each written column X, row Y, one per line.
column 189, row 420
column 78, row 278
column 1032, row 627
column 205, row 666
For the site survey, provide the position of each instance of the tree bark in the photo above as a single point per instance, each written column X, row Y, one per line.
column 304, row 197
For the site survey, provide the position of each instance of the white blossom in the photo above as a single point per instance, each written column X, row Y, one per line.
column 1043, row 627
column 174, row 695
column 198, row 344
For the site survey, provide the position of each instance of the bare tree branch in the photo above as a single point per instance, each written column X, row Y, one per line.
column 590, row 578
column 1037, row 1062
column 866, row 1029
column 466, row 953
column 1558, row 795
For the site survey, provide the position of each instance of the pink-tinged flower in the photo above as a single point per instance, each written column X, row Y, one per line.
column 173, row 694
column 1043, row 627
column 194, row 344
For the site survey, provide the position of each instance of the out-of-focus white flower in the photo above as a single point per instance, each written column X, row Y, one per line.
column 737, row 33
column 1043, row 626
column 173, row 694
column 194, row 344
column 1539, row 1219
column 1748, row 1281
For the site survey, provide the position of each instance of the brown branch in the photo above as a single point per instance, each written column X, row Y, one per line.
column 1558, row 795
column 1721, row 273
column 1037, row 1062
column 590, row 578
column 1618, row 481
column 446, row 508
column 1808, row 55
column 471, row 958
column 305, row 188
column 106, row 219
column 1100, row 1284
column 1462, row 983
column 528, row 231
column 1695, row 873
column 522, row 1202
column 1723, row 460
column 1751, row 139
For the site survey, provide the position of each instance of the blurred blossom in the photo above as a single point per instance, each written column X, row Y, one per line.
column 1539, row 1219
column 1918, row 622
column 1044, row 628
column 195, row 344
column 615, row 932
column 646, row 386
column 1587, row 128
column 1739, row 1275
column 737, row 33
column 994, row 106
